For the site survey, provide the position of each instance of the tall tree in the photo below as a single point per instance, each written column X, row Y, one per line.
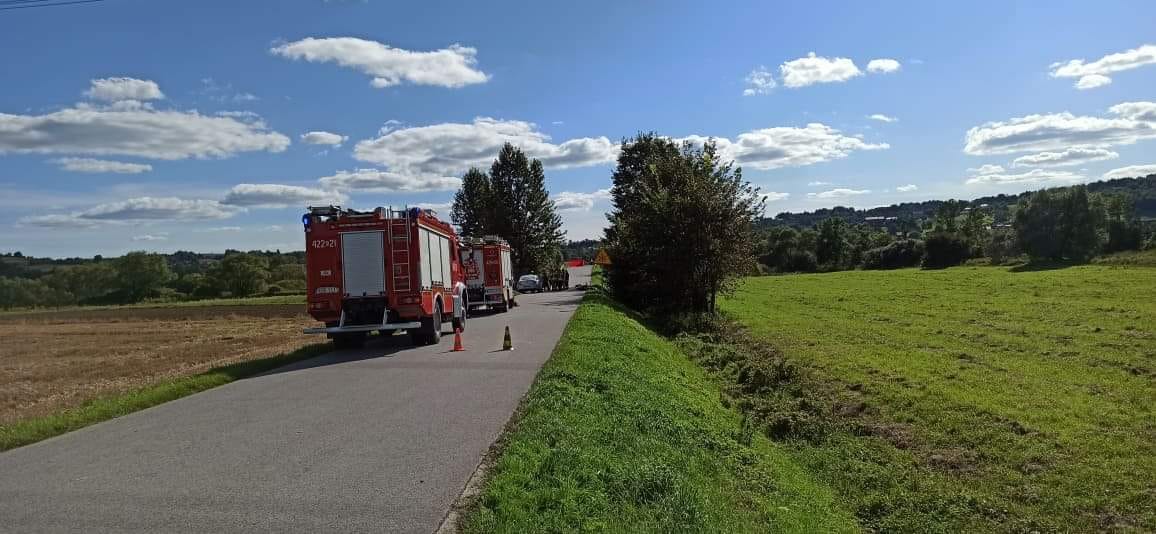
column 682, row 226
column 512, row 202
column 1060, row 224
column 472, row 204
column 832, row 248
column 242, row 274
column 139, row 274
column 544, row 225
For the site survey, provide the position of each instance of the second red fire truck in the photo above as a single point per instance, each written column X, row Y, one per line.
column 383, row 270
column 488, row 273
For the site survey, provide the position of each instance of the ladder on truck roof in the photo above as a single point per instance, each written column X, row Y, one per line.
column 399, row 252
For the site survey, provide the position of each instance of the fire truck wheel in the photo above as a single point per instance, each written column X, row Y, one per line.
column 430, row 332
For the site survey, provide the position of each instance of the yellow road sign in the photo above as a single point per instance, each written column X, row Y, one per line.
column 602, row 258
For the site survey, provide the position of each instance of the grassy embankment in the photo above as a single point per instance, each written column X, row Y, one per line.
column 969, row 398
column 622, row 432
column 26, row 431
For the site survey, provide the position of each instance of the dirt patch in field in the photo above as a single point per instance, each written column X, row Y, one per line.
column 53, row 361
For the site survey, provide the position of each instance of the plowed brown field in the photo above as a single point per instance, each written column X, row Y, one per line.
column 55, row 360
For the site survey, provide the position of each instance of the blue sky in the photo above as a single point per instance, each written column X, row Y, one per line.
column 166, row 125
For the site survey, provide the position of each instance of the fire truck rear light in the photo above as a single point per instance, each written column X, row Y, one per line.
column 326, row 290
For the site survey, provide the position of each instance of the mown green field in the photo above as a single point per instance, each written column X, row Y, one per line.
column 621, row 432
column 987, row 399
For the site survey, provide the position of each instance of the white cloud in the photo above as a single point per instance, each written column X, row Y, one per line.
column 882, row 65
column 56, row 221
column 388, row 182
column 987, row 169
column 215, row 229
column 224, row 92
column 1140, row 111
column 759, row 82
column 907, row 188
column 817, row 183
column 1071, row 156
column 1134, row 121
column 118, row 89
column 1034, row 176
column 139, row 131
column 434, row 155
column 159, row 209
column 439, row 207
column 839, row 193
column 242, row 115
column 151, row 237
column 569, row 201
column 882, row 118
column 101, row 166
column 1092, row 81
column 140, row 209
column 817, row 69
column 323, row 138
column 448, row 67
column 1094, row 73
column 784, row 146
column 772, row 196
column 280, row 196
column 1131, row 171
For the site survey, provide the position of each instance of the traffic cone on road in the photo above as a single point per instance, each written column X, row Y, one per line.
column 507, row 344
column 458, row 340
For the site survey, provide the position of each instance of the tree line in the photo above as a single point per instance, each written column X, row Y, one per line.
column 512, row 202
column 140, row 276
column 1067, row 224
column 908, row 216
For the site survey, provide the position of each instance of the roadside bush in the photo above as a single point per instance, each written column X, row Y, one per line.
column 942, row 250
column 897, row 255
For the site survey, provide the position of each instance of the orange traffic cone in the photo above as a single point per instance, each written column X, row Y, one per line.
column 507, row 344
column 458, row 340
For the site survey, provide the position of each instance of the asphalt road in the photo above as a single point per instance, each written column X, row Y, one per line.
column 378, row 439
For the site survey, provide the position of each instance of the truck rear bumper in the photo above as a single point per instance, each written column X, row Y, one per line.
column 362, row 328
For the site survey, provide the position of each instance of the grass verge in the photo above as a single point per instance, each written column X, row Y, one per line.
column 622, row 432
column 28, row 431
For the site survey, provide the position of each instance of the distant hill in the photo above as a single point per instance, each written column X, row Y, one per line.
column 906, row 216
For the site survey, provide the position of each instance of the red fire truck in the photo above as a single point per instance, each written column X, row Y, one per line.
column 382, row 270
column 489, row 272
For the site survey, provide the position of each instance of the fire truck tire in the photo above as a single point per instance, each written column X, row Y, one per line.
column 352, row 340
column 430, row 332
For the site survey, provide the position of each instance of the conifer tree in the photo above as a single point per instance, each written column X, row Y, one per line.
column 472, row 204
